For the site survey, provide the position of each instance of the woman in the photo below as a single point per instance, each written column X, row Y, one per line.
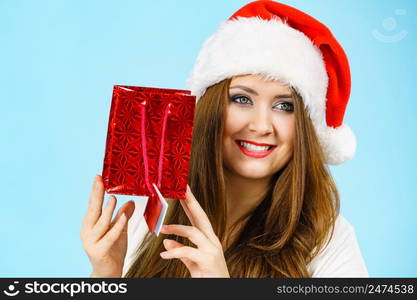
column 272, row 86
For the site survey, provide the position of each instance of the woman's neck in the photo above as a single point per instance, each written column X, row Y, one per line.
column 243, row 195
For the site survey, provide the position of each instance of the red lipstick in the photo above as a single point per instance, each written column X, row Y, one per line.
column 255, row 154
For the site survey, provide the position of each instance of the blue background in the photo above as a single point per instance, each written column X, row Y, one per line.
column 60, row 59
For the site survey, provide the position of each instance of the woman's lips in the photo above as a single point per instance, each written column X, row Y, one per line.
column 255, row 154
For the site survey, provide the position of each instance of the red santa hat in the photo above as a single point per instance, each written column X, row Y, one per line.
column 283, row 43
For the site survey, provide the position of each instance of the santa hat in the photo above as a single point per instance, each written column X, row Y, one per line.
column 281, row 42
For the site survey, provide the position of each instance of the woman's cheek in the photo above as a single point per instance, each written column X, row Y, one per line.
column 235, row 120
column 285, row 127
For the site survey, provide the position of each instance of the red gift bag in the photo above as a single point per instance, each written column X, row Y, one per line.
column 149, row 144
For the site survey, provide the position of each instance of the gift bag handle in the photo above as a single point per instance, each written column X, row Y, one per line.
column 167, row 111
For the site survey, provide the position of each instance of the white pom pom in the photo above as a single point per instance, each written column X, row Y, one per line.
column 338, row 144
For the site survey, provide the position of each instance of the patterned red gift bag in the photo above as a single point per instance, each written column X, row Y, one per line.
column 149, row 144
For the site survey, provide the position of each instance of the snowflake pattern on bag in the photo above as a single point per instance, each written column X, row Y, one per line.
column 136, row 127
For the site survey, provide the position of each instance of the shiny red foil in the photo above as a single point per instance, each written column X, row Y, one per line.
column 149, row 142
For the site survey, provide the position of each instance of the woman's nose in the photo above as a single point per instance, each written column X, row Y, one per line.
column 261, row 122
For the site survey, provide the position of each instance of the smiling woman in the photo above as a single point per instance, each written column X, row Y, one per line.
column 275, row 216
column 258, row 125
column 272, row 87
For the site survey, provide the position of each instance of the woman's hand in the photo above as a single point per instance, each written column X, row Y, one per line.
column 105, row 241
column 207, row 260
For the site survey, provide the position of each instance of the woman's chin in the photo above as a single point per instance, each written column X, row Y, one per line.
column 253, row 171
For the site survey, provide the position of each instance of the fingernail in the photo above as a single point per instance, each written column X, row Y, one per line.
column 110, row 201
column 163, row 254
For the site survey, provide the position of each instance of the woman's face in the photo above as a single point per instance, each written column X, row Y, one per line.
column 259, row 127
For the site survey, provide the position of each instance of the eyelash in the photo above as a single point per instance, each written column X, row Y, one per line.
column 234, row 99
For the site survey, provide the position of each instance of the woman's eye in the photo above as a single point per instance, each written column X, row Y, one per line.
column 286, row 106
column 241, row 99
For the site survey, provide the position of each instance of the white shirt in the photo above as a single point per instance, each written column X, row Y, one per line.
column 340, row 258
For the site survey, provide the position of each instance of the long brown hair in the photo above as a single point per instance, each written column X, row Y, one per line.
column 283, row 233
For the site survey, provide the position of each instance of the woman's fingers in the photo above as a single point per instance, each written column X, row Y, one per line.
column 197, row 215
column 95, row 202
column 114, row 233
column 192, row 233
column 187, row 210
column 103, row 223
column 183, row 253
column 127, row 208
column 171, row 244
column 105, row 242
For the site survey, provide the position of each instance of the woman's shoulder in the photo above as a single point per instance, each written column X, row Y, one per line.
column 342, row 227
column 341, row 255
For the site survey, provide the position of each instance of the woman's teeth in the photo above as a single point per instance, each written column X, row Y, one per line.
column 252, row 147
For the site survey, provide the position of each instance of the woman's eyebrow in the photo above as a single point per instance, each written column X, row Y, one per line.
column 245, row 88
column 249, row 90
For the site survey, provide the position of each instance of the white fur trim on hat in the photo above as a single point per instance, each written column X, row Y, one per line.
column 277, row 51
